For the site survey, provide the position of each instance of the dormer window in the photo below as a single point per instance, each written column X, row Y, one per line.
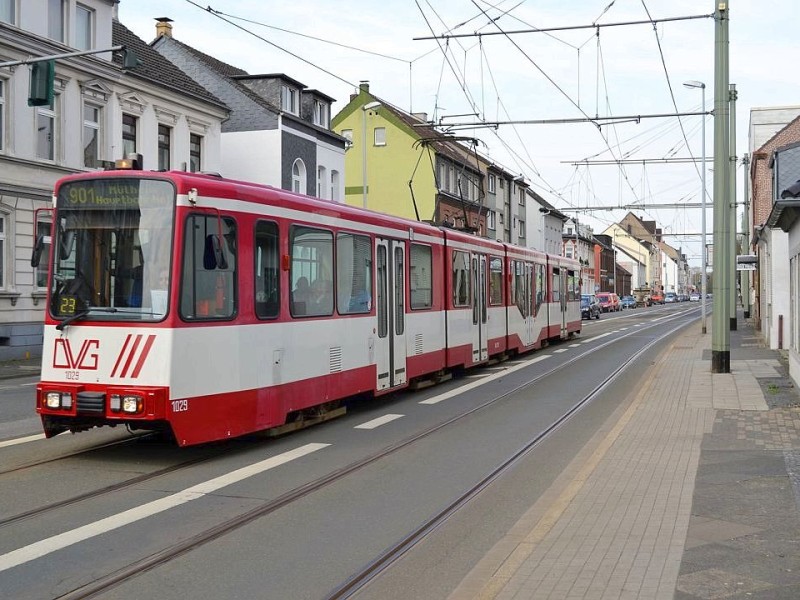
column 321, row 113
column 289, row 101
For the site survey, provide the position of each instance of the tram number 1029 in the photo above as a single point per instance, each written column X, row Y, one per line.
column 180, row 405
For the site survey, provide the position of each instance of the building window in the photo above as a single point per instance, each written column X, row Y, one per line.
column 55, row 20
column 91, row 135
column 289, row 99
column 84, row 28
column 2, row 251
column 46, row 131
column 490, row 219
column 491, row 183
column 320, row 113
column 522, row 196
column 335, row 186
column 380, row 136
column 128, row 135
column 164, row 134
column 322, row 181
column 299, row 177
column 8, row 12
column 521, row 229
column 43, row 228
column 195, row 152
column 2, row 114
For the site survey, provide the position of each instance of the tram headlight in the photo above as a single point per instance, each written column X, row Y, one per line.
column 132, row 404
column 115, row 402
column 52, row 399
column 56, row 400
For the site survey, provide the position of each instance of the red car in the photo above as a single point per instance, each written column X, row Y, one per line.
column 609, row 301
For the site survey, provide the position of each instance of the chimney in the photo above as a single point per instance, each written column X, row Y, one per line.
column 363, row 86
column 422, row 116
column 163, row 27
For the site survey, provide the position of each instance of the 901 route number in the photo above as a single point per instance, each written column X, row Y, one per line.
column 180, row 405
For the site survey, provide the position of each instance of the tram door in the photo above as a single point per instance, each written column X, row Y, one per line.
column 529, row 312
column 390, row 353
column 480, row 341
column 565, row 293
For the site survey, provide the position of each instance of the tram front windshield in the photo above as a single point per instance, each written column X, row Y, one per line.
column 111, row 252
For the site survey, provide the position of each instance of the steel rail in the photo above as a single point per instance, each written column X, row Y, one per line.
column 164, row 556
column 374, row 569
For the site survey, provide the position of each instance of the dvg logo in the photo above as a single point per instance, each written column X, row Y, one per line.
column 64, row 356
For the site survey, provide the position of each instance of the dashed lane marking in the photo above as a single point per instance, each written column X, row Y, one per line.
column 22, row 440
column 378, row 422
column 487, row 379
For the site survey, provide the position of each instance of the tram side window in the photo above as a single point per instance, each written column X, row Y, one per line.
column 311, row 271
column 496, row 281
column 353, row 273
column 573, row 292
column 421, row 280
column 208, row 284
column 540, row 291
column 521, row 287
column 267, row 261
column 460, row 278
column 556, row 285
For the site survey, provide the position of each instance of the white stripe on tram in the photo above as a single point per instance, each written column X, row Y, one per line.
column 68, row 538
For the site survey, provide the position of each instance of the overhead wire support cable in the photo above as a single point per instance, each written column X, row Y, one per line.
column 587, row 119
column 562, row 28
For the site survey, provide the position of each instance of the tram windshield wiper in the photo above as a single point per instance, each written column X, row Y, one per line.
column 82, row 313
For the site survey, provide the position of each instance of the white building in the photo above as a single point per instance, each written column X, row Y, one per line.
column 99, row 112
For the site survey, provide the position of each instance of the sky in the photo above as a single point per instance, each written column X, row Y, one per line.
column 611, row 71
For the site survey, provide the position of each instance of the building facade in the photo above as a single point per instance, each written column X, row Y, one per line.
column 99, row 112
column 278, row 132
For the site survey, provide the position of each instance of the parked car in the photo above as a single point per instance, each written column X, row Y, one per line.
column 694, row 297
column 627, row 302
column 670, row 297
column 590, row 306
column 656, row 298
column 609, row 301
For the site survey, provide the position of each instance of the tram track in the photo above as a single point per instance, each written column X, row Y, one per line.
column 381, row 563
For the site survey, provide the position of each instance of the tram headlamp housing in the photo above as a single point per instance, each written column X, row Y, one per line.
column 132, row 404
column 115, row 402
column 56, row 400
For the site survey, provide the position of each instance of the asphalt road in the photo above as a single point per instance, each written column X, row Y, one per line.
column 309, row 546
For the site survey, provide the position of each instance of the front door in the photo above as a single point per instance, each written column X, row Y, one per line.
column 390, row 354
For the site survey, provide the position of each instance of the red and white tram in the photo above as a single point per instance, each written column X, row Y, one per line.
column 212, row 308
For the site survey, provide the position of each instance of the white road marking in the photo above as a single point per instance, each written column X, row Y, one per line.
column 378, row 422
column 68, row 538
column 559, row 351
column 487, row 379
column 574, row 345
column 22, row 440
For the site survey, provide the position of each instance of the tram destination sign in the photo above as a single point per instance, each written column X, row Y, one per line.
column 115, row 194
column 100, row 193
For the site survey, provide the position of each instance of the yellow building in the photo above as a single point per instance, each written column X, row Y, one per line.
column 396, row 163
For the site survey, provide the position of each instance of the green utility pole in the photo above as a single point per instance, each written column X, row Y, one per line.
column 746, row 235
column 720, row 328
column 732, row 196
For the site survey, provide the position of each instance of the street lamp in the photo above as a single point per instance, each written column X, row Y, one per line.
column 364, row 109
column 702, row 87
